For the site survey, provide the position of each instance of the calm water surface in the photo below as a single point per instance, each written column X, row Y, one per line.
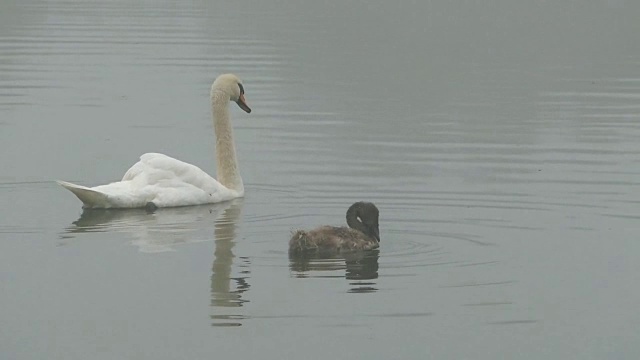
column 499, row 140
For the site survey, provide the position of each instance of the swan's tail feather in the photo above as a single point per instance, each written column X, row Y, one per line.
column 90, row 198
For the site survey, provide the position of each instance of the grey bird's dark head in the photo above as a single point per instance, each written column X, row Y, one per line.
column 363, row 216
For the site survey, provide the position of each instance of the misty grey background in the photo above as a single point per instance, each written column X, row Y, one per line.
column 498, row 138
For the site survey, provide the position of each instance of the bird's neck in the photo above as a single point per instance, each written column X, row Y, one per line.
column 226, row 162
column 353, row 222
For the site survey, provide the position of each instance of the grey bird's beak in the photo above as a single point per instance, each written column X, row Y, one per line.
column 376, row 234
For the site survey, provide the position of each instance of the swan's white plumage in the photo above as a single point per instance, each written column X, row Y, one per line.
column 166, row 181
column 159, row 179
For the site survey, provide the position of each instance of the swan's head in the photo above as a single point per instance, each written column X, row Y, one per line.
column 232, row 86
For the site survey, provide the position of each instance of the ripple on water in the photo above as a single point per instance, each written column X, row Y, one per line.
column 80, row 49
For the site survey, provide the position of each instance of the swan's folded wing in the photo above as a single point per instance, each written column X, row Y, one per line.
column 154, row 168
column 149, row 162
column 134, row 171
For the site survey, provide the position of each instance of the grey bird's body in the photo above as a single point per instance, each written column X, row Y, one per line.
column 361, row 235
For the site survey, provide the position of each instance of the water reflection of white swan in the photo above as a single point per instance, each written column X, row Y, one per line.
column 223, row 294
column 158, row 180
column 165, row 229
column 160, row 231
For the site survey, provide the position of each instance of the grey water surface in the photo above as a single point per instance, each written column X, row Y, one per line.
column 499, row 139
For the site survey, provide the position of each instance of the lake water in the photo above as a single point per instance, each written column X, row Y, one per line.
column 499, row 140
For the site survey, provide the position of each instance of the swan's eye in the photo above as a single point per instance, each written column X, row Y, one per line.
column 241, row 89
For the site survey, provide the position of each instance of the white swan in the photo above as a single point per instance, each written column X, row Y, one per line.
column 158, row 180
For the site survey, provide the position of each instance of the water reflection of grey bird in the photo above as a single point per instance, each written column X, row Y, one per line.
column 358, row 267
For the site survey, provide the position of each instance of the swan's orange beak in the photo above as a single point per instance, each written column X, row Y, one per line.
column 243, row 104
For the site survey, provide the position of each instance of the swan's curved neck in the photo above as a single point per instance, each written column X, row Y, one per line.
column 353, row 222
column 227, row 164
